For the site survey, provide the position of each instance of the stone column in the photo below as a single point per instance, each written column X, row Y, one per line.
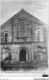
column 17, row 56
column 26, row 56
column 32, row 51
column 30, row 56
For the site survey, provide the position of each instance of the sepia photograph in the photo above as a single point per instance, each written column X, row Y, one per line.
column 24, row 37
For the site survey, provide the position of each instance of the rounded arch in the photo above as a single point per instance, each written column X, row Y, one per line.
column 3, row 33
column 22, row 54
column 24, row 49
column 22, row 19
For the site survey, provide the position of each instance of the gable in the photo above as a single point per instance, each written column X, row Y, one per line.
column 23, row 14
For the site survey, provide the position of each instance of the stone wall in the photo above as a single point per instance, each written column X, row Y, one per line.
column 32, row 25
column 16, row 51
column 6, row 29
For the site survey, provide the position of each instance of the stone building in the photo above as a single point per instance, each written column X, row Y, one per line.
column 23, row 36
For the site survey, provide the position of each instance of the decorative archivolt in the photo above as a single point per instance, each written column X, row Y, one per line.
column 22, row 19
column 3, row 33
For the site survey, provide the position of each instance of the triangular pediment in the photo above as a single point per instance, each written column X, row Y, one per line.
column 25, row 14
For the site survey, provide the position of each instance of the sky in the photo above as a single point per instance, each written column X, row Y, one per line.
column 38, row 8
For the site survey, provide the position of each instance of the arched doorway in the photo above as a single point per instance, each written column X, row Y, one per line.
column 22, row 55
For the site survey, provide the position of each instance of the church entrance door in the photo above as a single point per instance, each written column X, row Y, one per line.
column 22, row 55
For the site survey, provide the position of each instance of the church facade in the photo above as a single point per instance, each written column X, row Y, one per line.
column 24, row 38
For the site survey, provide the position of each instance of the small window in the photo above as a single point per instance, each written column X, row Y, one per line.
column 6, row 36
column 39, row 35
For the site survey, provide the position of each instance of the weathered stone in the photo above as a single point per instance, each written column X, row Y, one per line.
column 24, row 33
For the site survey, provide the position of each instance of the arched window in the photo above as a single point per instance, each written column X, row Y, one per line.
column 39, row 35
column 4, row 37
column 21, row 29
